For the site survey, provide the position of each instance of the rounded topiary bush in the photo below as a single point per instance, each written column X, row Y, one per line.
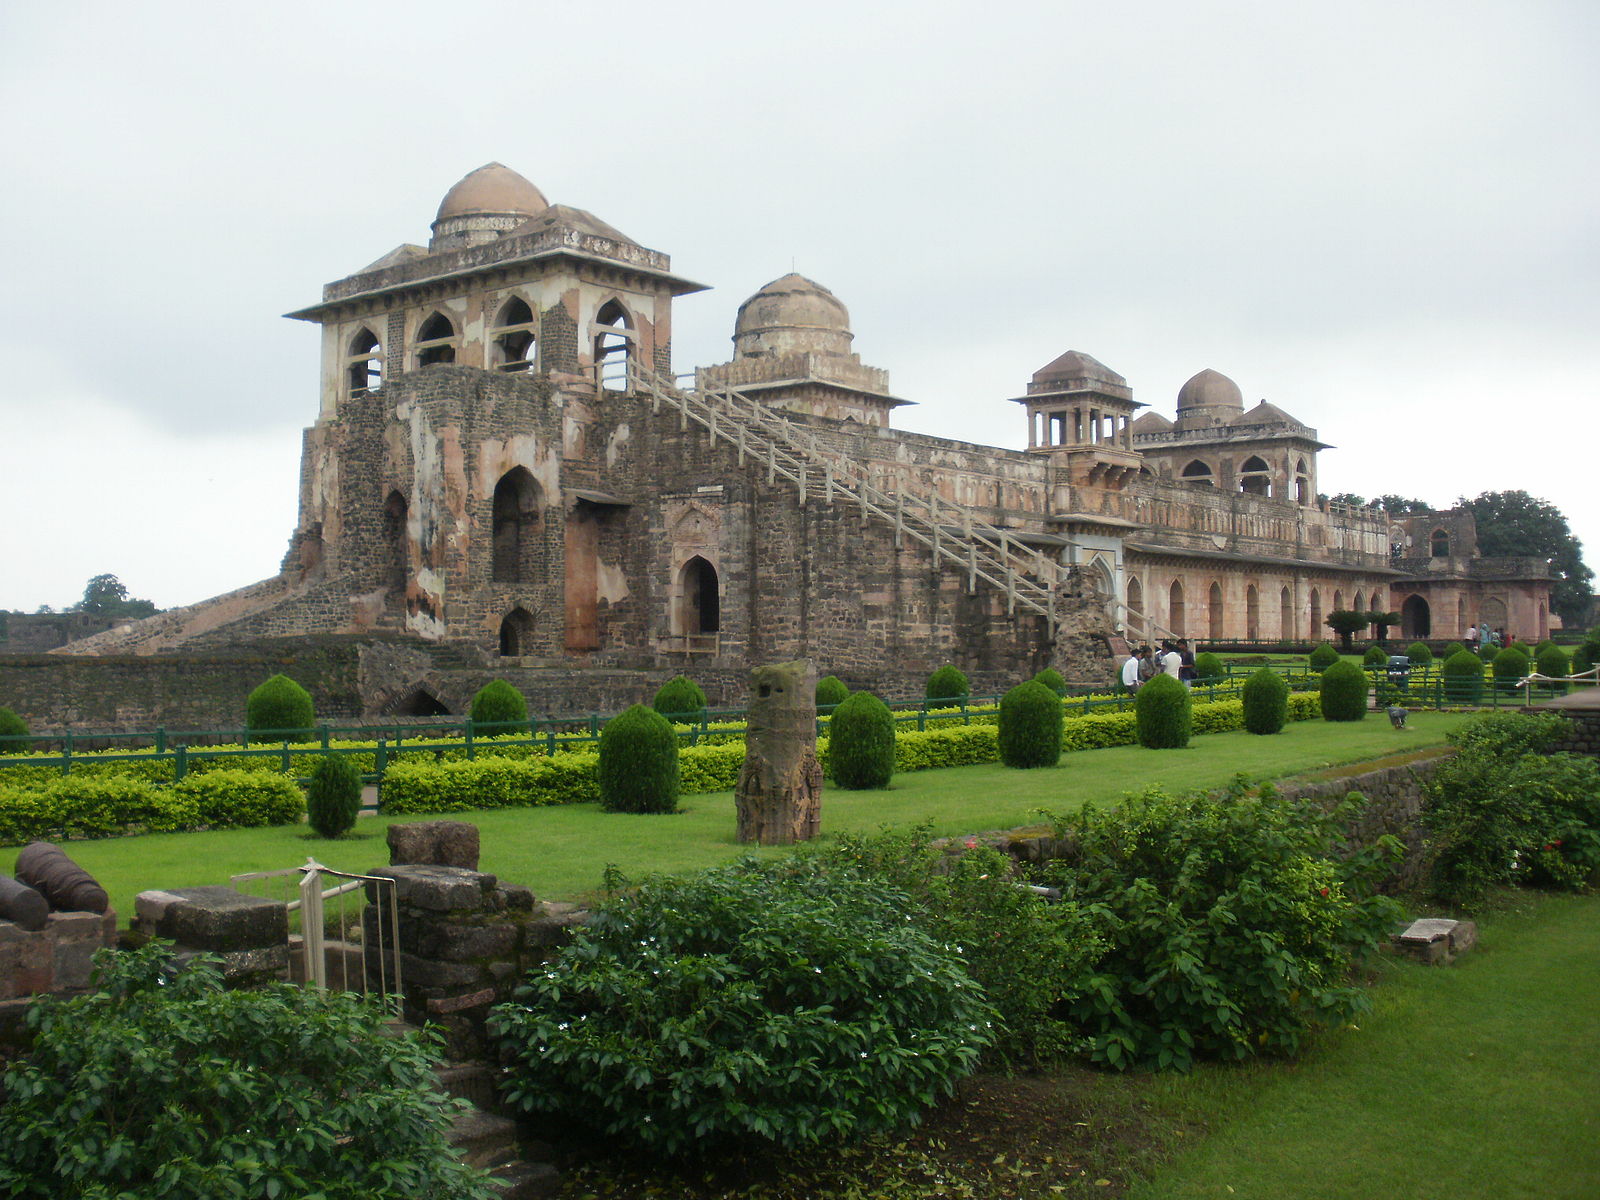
column 1030, row 726
column 1163, row 714
column 1323, row 657
column 762, row 1003
column 1266, row 702
column 1544, row 645
column 1375, row 656
column 1452, row 649
column 1209, row 666
column 861, row 742
column 1463, row 677
column 1509, row 666
column 1419, row 654
column 830, row 691
column 1552, row 661
column 638, row 769
column 947, row 684
column 1344, row 692
column 1051, row 678
column 12, row 726
column 278, row 707
column 680, row 699
column 498, row 703
column 1522, row 646
column 1486, row 653
column 333, row 795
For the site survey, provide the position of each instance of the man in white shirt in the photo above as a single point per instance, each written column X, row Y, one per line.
column 1171, row 661
column 1130, row 670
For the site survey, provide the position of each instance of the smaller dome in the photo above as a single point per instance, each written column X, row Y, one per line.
column 792, row 314
column 1151, row 422
column 493, row 189
column 1210, row 389
column 1074, row 364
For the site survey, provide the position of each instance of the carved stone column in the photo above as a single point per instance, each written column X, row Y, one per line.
column 779, row 795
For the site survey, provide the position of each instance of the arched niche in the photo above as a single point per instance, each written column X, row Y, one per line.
column 517, row 633
column 517, row 527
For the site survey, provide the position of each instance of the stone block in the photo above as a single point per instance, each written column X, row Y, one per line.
column 452, row 1004
column 1436, row 940
column 434, row 843
column 430, row 973
column 437, row 889
column 212, row 918
column 72, row 964
column 449, row 942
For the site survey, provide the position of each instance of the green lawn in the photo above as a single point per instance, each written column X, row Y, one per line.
column 1478, row 1080
column 561, row 851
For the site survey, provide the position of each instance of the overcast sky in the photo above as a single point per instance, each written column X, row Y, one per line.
column 1381, row 215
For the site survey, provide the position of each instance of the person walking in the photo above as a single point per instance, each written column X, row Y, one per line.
column 1130, row 670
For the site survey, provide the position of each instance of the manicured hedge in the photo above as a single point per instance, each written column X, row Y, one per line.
column 75, row 806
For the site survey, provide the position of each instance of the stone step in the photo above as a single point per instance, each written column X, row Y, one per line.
column 525, row 1180
column 473, row 1082
column 484, row 1140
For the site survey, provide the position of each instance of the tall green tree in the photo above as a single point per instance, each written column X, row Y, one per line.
column 107, row 596
column 1518, row 525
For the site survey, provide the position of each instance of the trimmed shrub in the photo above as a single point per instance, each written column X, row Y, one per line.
column 1463, row 677
column 1486, row 653
column 1030, row 726
column 1585, row 657
column 84, row 806
column 1209, row 666
column 1375, row 656
column 501, row 706
column 680, row 697
column 830, row 691
column 243, row 799
column 1344, row 692
column 764, row 1001
column 1230, row 924
column 427, row 787
column 1266, row 702
column 1522, row 646
column 861, row 739
column 280, row 706
column 1052, row 679
column 1323, row 657
column 12, row 726
column 1452, row 649
column 333, row 796
column 638, row 768
column 1163, row 714
column 1509, row 666
column 1419, row 654
column 948, row 683
column 1552, row 661
column 1546, row 644
column 281, row 1091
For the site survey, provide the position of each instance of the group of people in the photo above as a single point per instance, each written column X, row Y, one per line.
column 1145, row 663
column 1486, row 635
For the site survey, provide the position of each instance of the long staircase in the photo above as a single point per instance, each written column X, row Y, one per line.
column 1029, row 580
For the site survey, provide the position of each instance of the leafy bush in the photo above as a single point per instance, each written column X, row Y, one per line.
column 767, row 1001
column 1052, row 679
column 1323, row 657
column 1452, row 649
column 1209, row 666
column 1504, row 809
column 1266, row 702
column 1585, row 657
column 830, row 691
column 1486, row 653
column 1419, row 654
column 1463, row 677
column 333, row 796
column 680, row 696
column 1375, row 656
column 164, row 1083
column 73, row 806
column 1028, row 956
column 240, row 799
column 1030, row 726
column 638, row 769
column 279, row 706
column 501, row 706
column 1553, row 663
column 12, row 726
column 948, row 683
column 861, row 742
column 1163, row 715
column 1344, row 692
column 1230, row 924
column 1509, row 666
column 428, row 787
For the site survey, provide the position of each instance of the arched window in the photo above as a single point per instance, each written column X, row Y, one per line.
column 1439, row 544
column 516, row 633
column 395, row 514
column 1338, row 601
column 513, row 345
column 1175, row 613
column 1493, row 610
column 699, row 601
column 1252, row 613
column 1135, row 595
column 1285, row 614
column 1199, row 472
column 1356, row 605
column 1415, row 619
column 1255, row 477
column 1302, row 482
column 517, row 527
column 436, row 341
column 1214, row 611
column 613, row 340
column 364, row 362
column 1316, row 614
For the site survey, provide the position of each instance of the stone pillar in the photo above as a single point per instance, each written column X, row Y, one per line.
column 779, row 794
column 250, row 934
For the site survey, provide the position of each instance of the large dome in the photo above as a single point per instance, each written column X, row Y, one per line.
column 1210, row 389
column 492, row 189
column 790, row 315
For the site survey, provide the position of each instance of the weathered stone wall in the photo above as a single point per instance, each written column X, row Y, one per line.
column 1584, row 737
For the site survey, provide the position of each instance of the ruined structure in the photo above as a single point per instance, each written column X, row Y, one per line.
column 779, row 793
column 503, row 465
